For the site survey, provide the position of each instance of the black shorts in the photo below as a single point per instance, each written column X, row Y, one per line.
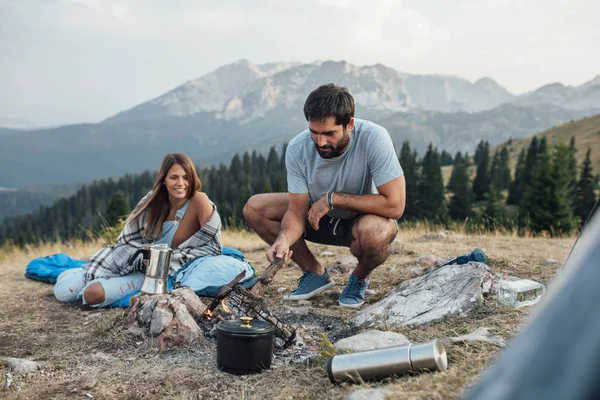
column 332, row 231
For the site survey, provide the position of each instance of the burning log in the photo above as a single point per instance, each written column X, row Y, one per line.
column 249, row 303
column 267, row 277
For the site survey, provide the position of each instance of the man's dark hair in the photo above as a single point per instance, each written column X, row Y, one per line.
column 329, row 100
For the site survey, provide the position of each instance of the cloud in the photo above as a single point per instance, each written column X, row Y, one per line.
column 120, row 11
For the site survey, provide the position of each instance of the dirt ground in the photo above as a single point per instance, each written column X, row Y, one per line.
column 89, row 355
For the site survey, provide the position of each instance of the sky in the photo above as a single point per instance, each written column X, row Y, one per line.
column 74, row 61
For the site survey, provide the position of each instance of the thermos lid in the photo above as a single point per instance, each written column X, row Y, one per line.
column 429, row 356
column 246, row 326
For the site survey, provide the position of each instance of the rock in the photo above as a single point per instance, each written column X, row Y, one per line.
column 304, row 303
column 479, row 335
column 431, row 260
column 89, row 383
column 417, row 271
column 281, row 289
column 370, row 292
column 22, row 366
column 166, row 321
column 371, row 340
column 427, row 259
column 161, row 318
column 551, row 261
column 344, row 266
column 432, row 236
column 327, row 254
column 450, row 290
column 296, row 310
column 368, row 394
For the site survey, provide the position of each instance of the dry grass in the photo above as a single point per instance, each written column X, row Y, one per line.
column 87, row 351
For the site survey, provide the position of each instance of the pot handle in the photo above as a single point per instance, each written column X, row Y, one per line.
column 134, row 256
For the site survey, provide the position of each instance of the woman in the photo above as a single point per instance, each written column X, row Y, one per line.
column 175, row 213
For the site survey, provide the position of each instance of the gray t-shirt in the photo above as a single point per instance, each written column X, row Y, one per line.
column 369, row 161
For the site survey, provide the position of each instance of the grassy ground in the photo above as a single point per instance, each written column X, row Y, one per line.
column 87, row 351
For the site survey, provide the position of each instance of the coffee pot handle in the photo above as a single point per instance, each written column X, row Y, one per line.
column 144, row 252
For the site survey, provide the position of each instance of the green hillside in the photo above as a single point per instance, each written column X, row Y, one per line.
column 586, row 132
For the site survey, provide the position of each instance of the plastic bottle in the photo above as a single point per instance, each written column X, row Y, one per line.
column 521, row 293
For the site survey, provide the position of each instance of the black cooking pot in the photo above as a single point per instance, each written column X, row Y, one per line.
column 244, row 346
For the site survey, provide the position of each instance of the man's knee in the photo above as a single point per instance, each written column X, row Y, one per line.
column 94, row 294
column 252, row 209
column 375, row 233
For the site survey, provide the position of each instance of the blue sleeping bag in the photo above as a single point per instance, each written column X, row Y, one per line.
column 47, row 269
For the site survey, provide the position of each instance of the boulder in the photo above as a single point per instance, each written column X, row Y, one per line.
column 449, row 290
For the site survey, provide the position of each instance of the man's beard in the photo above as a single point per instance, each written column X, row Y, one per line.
column 329, row 151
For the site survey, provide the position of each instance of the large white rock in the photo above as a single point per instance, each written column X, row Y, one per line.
column 449, row 290
column 368, row 394
column 22, row 366
column 371, row 340
column 479, row 335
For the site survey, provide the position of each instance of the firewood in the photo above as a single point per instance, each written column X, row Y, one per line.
column 267, row 277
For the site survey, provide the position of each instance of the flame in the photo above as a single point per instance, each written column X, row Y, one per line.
column 209, row 315
column 224, row 306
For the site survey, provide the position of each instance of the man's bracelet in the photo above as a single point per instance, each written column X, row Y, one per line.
column 329, row 199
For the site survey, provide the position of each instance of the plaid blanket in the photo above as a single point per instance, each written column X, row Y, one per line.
column 113, row 260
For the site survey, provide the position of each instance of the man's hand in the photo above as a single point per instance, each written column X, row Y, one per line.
column 279, row 249
column 317, row 211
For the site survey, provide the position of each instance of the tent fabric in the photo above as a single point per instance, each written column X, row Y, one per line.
column 557, row 353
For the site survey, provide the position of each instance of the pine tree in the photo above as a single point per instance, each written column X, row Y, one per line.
column 585, row 195
column 118, row 207
column 561, row 202
column 504, row 176
column 573, row 163
column 408, row 161
column 481, row 184
column 445, row 158
column 515, row 191
column 530, row 161
column 432, row 203
column 479, row 151
column 493, row 213
column 535, row 209
column 461, row 201
column 455, row 177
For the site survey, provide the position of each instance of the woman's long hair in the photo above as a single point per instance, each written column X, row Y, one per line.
column 158, row 204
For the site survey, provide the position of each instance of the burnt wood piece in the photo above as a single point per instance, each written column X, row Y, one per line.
column 225, row 291
column 267, row 277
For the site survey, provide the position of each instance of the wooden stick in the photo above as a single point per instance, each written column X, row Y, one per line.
column 267, row 277
column 225, row 290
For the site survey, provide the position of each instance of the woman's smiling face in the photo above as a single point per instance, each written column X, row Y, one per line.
column 177, row 183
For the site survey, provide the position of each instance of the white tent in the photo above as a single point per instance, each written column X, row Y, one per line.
column 557, row 354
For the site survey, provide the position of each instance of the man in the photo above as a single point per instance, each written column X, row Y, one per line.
column 345, row 188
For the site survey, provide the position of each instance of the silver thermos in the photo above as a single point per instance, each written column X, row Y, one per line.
column 386, row 362
column 157, row 270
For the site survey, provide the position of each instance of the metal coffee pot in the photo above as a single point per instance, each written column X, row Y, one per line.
column 157, row 269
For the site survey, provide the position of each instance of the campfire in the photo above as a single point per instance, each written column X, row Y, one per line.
column 180, row 317
column 235, row 297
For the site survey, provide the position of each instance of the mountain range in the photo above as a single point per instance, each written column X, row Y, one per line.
column 243, row 107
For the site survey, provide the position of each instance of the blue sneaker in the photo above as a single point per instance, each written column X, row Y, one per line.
column 353, row 295
column 310, row 285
